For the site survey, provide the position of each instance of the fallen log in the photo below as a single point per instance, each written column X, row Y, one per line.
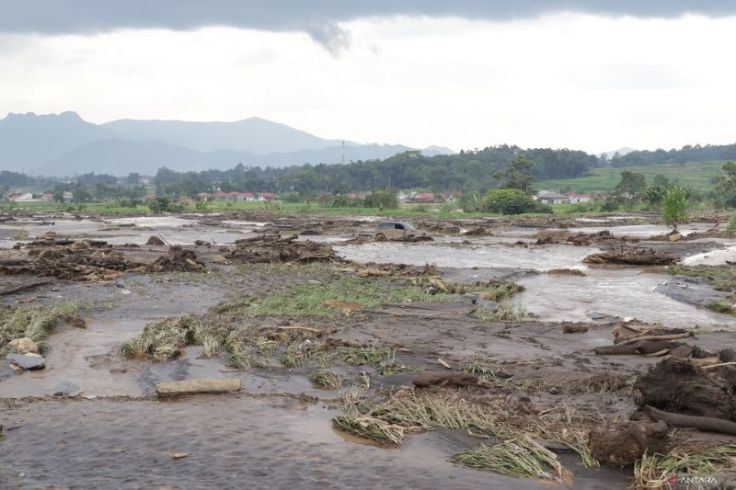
column 706, row 424
column 197, row 386
column 641, row 347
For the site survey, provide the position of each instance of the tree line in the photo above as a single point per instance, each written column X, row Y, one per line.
column 476, row 170
column 688, row 153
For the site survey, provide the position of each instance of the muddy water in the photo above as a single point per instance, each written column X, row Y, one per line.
column 623, row 292
column 491, row 255
column 87, row 360
column 118, row 231
column 632, row 231
column 714, row 257
column 231, row 443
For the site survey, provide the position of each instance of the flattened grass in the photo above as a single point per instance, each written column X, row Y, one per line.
column 653, row 471
column 316, row 299
column 36, row 323
column 518, row 457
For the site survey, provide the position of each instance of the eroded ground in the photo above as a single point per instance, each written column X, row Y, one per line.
column 443, row 367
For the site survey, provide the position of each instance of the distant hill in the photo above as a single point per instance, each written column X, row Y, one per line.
column 254, row 135
column 120, row 157
column 27, row 141
column 65, row 144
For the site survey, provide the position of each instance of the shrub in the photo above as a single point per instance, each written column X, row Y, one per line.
column 510, row 201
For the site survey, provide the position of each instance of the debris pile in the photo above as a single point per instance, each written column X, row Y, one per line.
column 548, row 237
column 177, row 260
column 80, row 260
column 272, row 248
column 685, row 395
column 631, row 256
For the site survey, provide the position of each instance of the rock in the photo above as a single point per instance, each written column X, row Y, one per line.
column 621, row 444
column 27, row 361
column 65, row 388
column 23, row 345
column 574, row 328
column 155, row 241
column 198, row 386
column 675, row 237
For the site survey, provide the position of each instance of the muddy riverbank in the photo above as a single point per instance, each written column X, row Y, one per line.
column 341, row 360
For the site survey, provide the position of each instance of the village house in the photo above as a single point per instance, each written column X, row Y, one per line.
column 549, row 197
column 574, row 198
column 424, row 198
column 21, row 197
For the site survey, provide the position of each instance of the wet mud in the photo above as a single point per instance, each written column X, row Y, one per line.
column 92, row 419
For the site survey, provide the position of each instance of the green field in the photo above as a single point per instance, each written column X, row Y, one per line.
column 695, row 176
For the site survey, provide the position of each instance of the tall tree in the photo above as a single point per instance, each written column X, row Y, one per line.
column 519, row 174
column 674, row 208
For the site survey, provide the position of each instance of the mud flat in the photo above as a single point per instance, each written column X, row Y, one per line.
column 484, row 361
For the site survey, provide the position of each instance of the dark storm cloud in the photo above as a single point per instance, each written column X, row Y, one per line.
column 318, row 18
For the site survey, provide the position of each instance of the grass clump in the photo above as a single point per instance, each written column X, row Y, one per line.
column 35, row 323
column 654, row 471
column 488, row 373
column 347, row 293
column 518, row 457
column 499, row 290
column 504, row 312
column 381, row 358
column 370, row 428
column 326, row 380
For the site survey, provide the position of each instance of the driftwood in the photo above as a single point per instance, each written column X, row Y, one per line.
column 198, row 386
column 706, row 424
column 657, row 337
column 641, row 347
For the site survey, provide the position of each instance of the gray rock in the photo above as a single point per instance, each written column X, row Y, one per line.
column 27, row 361
column 65, row 388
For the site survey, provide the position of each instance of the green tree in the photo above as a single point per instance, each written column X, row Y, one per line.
column 519, row 174
column 726, row 185
column 655, row 193
column 508, row 201
column 631, row 188
column 674, row 209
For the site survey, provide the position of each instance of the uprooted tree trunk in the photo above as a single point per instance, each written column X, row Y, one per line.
column 678, row 387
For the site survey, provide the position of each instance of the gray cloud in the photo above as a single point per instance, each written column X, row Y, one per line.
column 319, row 18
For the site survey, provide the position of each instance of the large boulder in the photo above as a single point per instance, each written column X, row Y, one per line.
column 27, row 362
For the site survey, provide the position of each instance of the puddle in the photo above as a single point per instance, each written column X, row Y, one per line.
column 550, row 257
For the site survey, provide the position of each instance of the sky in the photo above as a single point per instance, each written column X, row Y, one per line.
column 595, row 75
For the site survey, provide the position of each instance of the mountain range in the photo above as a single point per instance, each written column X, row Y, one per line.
column 65, row 144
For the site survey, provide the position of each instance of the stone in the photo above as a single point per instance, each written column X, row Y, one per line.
column 27, row 361
column 23, row 345
column 198, row 386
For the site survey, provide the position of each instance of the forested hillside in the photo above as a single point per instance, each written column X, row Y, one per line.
column 466, row 171
column 686, row 154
